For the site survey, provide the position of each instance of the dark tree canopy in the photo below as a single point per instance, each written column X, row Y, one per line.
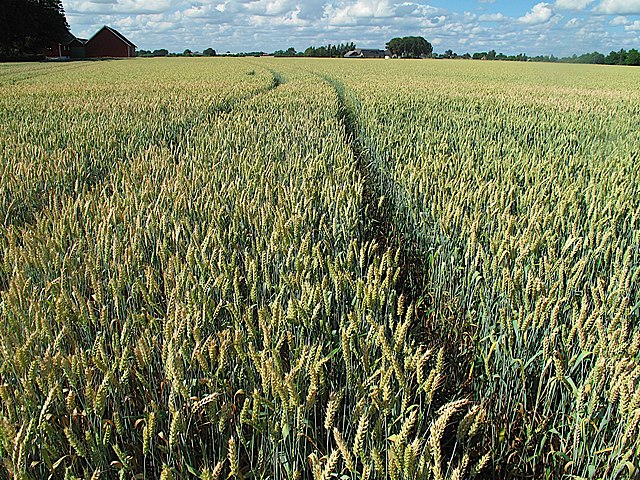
column 28, row 26
column 289, row 52
column 333, row 51
column 632, row 57
column 411, row 47
column 209, row 52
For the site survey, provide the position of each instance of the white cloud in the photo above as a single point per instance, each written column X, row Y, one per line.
column 633, row 27
column 352, row 14
column 540, row 13
column 493, row 17
column 268, row 25
column 625, row 7
column 270, row 7
column 619, row 20
column 573, row 4
column 119, row 6
column 203, row 11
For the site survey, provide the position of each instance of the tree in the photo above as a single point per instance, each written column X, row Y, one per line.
column 162, row 52
column 616, row 58
column 332, row 51
column 410, row 47
column 289, row 52
column 187, row 53
column 209, row 52
column 29, row 26
column 633, row 57
column 595, row 58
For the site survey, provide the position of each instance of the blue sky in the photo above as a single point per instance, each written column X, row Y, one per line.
column 560, row 27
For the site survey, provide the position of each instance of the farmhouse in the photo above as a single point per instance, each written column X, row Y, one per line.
column 107, row 42
column 366, row 53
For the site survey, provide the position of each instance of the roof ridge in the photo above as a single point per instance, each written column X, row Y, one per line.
column 116, row 33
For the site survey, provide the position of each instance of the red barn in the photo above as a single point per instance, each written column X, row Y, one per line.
column 108, row 42
column 76, row 48
column 61, row 49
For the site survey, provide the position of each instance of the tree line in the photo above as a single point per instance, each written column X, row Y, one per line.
column 28, row 26
column 331, row 51
column 621, row 57
column 325, row 51
column 163, row 52
column 405, row 47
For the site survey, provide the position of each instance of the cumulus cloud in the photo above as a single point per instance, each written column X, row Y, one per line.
column 268, row 25
column 625, row 7
column 633, row 27
column 619, row 20
column 493, row 17
column 119, row 6
column 271, row 7
column 573, row 4
column 540, row 13
column 351, row 14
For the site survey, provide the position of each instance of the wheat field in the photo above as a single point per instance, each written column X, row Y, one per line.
column 316, row 269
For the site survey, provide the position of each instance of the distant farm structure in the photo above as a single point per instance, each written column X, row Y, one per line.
column 367, row 53
column 106, row 42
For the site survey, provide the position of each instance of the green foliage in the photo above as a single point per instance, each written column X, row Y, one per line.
column 411, row 47
column 28, row 26
column 332, row 51
column 622, row 57
column 289, row 52
column 633, row 57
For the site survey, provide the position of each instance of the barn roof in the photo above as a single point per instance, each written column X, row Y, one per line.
column 67, row 38
column 365, row 52
column 81, row 41
column 116, row 33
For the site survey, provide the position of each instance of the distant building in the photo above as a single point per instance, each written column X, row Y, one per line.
column 366, row 53
column 108, row 42
column 76, row 48
column 59, row 49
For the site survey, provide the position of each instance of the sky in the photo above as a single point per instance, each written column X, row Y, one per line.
column 559, row 27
